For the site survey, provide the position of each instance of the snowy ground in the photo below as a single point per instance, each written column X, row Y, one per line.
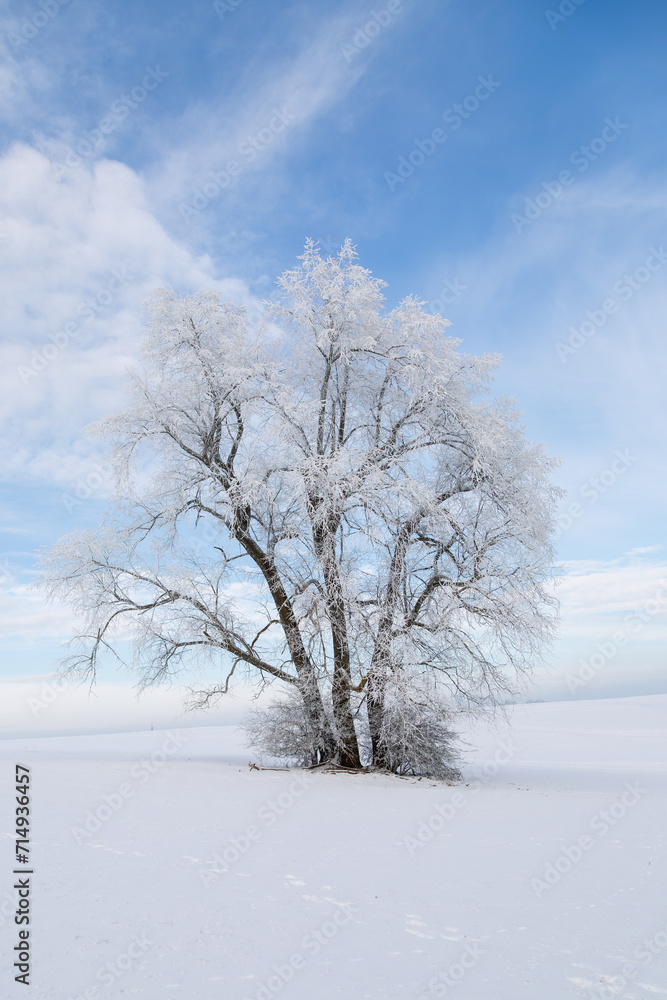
column 190, row 877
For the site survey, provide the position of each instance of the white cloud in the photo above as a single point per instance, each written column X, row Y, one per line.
column 82, row 250
column 599, row 597
column 595, row 587
column 614, row 625
column 24, row 613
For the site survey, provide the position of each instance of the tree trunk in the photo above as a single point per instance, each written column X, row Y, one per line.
column 307, row 679
column 348, row 746
column 326, row 747
column 375, row 711
column 340, row 693
column 381, row 661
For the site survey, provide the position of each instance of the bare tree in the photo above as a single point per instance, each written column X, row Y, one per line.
column 334, row 502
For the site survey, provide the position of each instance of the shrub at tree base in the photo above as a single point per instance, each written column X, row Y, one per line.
column 281, row 731
column 416, row 732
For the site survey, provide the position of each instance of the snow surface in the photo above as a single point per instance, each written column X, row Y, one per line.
column 333, row 893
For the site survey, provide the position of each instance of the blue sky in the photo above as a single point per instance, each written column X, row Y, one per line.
column 198, row 145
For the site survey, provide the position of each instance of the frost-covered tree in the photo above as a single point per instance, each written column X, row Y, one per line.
column 332, row 500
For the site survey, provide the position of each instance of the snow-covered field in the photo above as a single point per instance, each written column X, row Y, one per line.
column 166, row 868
